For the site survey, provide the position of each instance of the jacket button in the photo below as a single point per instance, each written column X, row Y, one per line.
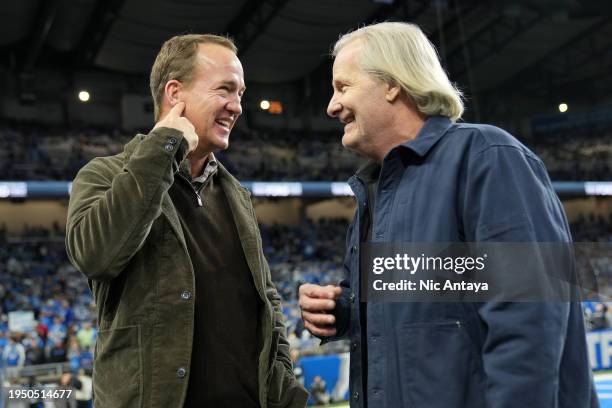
column 172, row 140
column 352, row 298
column 354, row 249
column 354, row 346
column 355, row 395
column 180, row 373
column 169, row 147
column 186, row 295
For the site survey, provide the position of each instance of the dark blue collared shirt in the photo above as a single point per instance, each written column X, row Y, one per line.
column 461, row 183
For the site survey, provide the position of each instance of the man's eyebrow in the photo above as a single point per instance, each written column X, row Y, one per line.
column 233, row 84
column 336, row 82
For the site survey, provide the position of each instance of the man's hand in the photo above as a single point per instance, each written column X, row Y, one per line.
column 175, row 120
column 316, row 303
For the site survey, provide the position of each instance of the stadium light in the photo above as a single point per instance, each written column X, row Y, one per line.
column 276, row 107
column 83, row 96
column 563, row 107
column 265, row 105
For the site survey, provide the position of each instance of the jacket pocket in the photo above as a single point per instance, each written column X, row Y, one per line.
column 440, row 355
column 117, row 373
column 283, row 389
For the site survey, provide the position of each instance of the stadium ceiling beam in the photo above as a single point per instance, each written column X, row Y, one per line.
column 98, row 27
column 452, row 25
column 583, row 56
column 252, row 20
column 42, row 25
column 490, row 40
column 580, row 66
column 381, row 14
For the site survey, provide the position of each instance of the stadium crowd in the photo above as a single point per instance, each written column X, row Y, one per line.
column 35, row 275
column 577, row 154
column 33, row 152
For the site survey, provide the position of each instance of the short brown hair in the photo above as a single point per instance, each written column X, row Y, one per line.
column 175, row 60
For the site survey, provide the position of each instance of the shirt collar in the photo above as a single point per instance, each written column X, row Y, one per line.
column 368, row 172
column 435, row 127
column 209, row 170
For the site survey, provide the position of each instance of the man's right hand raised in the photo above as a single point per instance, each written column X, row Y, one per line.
column 174, row 119
column 317, row 302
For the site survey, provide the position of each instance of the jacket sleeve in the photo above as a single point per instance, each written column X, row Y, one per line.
column 286, row 392
column 509, row 198
column 111, row 211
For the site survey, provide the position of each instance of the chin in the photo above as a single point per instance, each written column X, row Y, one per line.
column 348, row 141
column 222, row 144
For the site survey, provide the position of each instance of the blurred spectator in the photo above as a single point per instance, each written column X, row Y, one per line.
column 56, row 353
column 35, row 354
column 297, row 366
column 84, row 390
column 86, row 336
column 598, row 319
column 318, row 391
column 14, row 353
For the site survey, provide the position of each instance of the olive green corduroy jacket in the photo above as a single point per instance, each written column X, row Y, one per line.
column 124, row 235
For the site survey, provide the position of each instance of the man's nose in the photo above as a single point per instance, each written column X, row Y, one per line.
column 235, row 106
column 334, row 107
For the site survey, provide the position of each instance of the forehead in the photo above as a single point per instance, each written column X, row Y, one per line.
column 347, row 59
column 218, row 63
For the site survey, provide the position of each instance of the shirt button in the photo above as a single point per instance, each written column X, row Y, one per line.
column 186, row 295
column 180, row 373
column 169, row 147
column 172, row 140
column 352, row 298
column 355, row 395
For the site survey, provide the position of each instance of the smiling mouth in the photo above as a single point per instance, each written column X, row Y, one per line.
column 224, row 123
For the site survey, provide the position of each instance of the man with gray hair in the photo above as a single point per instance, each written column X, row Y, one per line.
column 432, row 180
column 167, row 237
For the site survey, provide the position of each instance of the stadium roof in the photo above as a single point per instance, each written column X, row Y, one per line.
column 547, row 49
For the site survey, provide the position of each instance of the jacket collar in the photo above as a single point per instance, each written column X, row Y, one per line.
column 434, row 129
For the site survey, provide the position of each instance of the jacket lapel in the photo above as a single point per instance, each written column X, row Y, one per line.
column 239, row 202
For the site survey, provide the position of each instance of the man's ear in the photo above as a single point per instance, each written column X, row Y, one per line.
column 393, row 92
column 171, row 92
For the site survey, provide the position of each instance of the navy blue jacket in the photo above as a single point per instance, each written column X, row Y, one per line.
column 462, row 183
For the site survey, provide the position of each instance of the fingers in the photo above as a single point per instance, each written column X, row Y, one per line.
column 177, row 110
column 316, row 305
column 318, row 291
column 316, row 301
column 319, row 319
column 320, row 331
column 337, row 291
